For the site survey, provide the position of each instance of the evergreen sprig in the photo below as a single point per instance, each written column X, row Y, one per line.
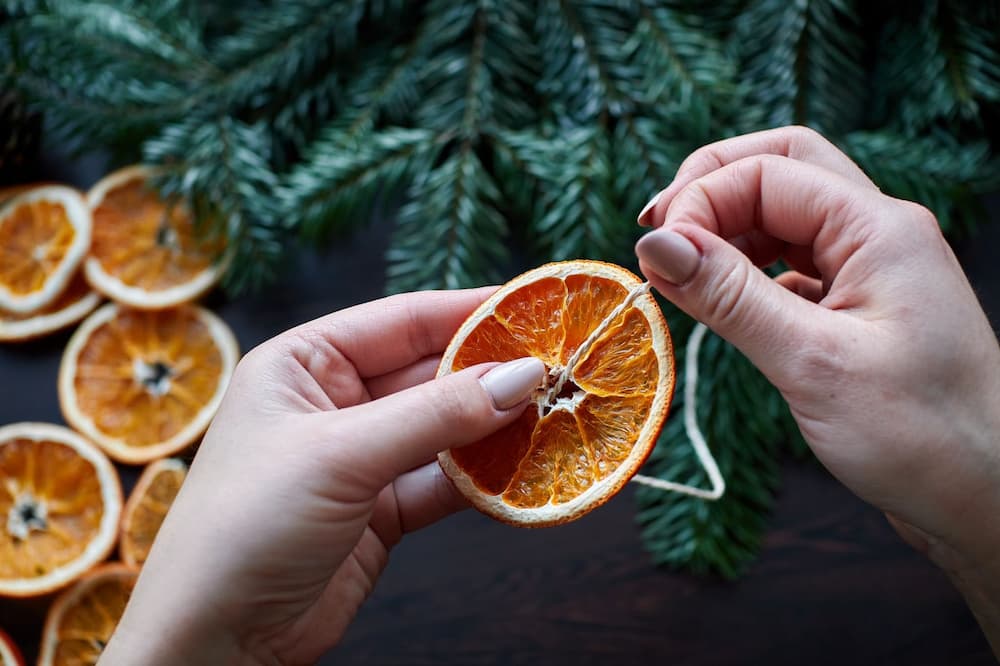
column 510, row 132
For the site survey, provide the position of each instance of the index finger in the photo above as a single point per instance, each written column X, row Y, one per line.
column 798, row 143
column 393, row 332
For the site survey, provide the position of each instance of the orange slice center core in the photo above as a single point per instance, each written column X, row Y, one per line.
column 51, row 499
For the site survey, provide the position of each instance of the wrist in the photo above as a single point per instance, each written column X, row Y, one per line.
column 158, row 636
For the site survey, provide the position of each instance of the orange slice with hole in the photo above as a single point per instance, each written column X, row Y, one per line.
column 75, row 303
column 147, row 506
column 44, row 235
column 593, row 423
column 81, row 620
column 60, row 502
column 144, row 384
column 146, row 252
column 9, row 654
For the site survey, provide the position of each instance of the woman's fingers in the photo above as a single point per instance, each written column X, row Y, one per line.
column 380, row 440
column 798, row 143
column 827, row 220
column 381, row 336
column 805, row 286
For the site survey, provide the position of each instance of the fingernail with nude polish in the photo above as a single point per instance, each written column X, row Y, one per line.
column 509, row 384
column 647, row 210
column 669, row 254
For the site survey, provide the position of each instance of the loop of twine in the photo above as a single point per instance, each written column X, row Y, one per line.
column 694, row 433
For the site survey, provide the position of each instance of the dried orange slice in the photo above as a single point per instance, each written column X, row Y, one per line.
column 147, row 506
column 60, row 501
column 145, row 251
column 9, row 654
column 596, row 419
column 144, row 384
column 75, row 303
column 44, row 235
column 81, row 620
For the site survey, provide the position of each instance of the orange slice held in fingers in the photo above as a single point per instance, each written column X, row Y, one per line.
column 146, row 508
column 9, row 654
column 81, row 620
column 592, row 424
column 144, row 384
column 146, row 252
column 76, row 302
column 60, row 502
column 44, row 235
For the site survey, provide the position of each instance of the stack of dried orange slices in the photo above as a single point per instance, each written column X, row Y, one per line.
column 139, row 381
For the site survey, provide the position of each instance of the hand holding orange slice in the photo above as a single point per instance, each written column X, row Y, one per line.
column 596, row 419
column 144, row 384
column 44, row 235
column 60, row 502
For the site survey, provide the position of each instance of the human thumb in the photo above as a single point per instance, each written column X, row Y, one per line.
column 718, row 285
column 406, row 429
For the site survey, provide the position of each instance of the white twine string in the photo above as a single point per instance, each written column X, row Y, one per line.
column 694, row 433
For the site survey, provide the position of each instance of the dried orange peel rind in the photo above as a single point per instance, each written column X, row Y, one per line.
column 44, row 236
column 146, row 252
column 144, row 384
column 147, row 506
column 10, row 655
column 60, row 501
column 589, row 429
column 81, row 620
column 76, row 302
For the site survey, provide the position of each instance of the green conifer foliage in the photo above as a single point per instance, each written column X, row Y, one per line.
column 515, row 131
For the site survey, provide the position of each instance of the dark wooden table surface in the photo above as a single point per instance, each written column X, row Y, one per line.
column 833, row 585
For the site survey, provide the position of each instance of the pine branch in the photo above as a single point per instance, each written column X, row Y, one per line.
column 585, row 69
column 743, row 419
column 345, row 173
column 575, row 214
column 802, row 62
column 942, row 65
column 936, row 171
column 677, row 62
column 221, row 168
column 450, row 233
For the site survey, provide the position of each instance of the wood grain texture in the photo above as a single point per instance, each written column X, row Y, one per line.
column 833, row 585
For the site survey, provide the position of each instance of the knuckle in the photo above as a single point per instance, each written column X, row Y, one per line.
column 726, row 292
column 806, row 136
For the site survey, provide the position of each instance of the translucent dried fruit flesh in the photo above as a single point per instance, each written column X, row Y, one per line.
column 554, row 453
column 85, row 623
column 77, row 289
column 147, row 243
column 143, row 376
column 146, row 511
column 50, row 502
column 35, row 238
